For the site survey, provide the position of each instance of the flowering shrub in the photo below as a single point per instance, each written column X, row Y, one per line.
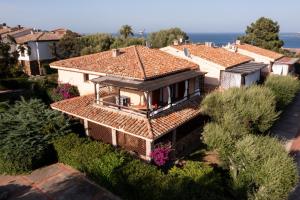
column 160, row 155
column 64, row 91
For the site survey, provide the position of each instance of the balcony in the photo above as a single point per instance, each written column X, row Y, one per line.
column 150, row 97
column 113, row 100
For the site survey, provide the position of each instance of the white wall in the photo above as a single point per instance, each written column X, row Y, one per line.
column 280, row 69
column 77, row 79
column 252, row 78
column 39, row 51
column 213, row 70
column 229, row 80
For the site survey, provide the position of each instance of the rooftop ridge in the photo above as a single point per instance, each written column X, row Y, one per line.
column 140, row 62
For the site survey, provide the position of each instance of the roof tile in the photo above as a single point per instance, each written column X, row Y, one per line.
column 260, row 51
column 137, row 62
column 215, row 54
column 137, row 125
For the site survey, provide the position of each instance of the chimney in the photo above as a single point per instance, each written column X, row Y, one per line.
column 115, row 52
column 209, row 44
column 238, row 42
column 19, row 26
column 175, row 42
column 180, row 40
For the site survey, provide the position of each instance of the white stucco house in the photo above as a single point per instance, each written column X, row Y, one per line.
column 35, row 49
column 277, row 63
column 135, row 98
column 284, row 66
column 223, row 68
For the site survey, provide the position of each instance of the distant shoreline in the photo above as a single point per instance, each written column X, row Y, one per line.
column 291, row 40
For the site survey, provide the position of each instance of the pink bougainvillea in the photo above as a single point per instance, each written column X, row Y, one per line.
column 160, row 155
column 64, row 91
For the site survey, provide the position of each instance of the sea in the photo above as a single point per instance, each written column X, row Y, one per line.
column 291, row 40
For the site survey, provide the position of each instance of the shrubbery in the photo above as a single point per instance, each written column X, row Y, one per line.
column 131, row 178
column 284, row 88
column 26, row 131
column 64, row 91
column 262, row 169
column 259, row 166
column 252, row 108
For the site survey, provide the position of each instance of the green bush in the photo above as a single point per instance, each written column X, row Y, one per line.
column 261, row 168
column 284, row 88
column 15, row 83
column 200, row 180
column 252, row 108
column 27, row 130
column 133, row 179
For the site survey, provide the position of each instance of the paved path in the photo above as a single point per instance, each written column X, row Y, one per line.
column 54, row 182
column 288, row 128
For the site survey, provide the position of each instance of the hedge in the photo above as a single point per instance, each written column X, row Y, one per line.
column 131, row 178
column 284, row 89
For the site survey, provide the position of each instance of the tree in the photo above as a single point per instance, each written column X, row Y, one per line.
column 95, row 43
column 68, row 46
column 8, row 61
column 263, row 33
column 166, row 37
column 126, row 31
column 121, row 42
column 27, row 130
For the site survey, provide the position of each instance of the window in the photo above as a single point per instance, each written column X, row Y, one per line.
column 86, row 77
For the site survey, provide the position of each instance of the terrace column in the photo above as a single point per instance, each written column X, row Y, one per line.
column 97, row 93
column 148, row 100
column 149, row 148
column 186, row 88
column 114, row 137
column 169, row 96
column 86, row 127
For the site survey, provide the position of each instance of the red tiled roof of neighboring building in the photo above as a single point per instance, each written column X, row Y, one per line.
column 137, row 62
column 139, row 126
column 287, row 60
column 216, row 55
column 260, row 51
column 39, row 36
column 4, row 30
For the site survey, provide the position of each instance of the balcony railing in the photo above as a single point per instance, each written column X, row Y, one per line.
column 110, row 100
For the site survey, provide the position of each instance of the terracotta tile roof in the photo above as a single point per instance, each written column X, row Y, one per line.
column 139, row 126
column 4, row 30
column 16, row 31
column 39, row 36
column 260, row 51
column 137, row 62
column 287, row 60
column 215, row 54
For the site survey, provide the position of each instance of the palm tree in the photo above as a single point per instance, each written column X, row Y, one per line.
column 126, row 31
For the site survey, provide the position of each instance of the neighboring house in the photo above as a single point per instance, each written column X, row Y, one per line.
column 258, row 54
column 138, row 98
column 223, row 68
column 60, row 31
column 284, row 66
column 37, row 50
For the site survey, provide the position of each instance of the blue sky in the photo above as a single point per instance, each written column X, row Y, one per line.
column 108, row 15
